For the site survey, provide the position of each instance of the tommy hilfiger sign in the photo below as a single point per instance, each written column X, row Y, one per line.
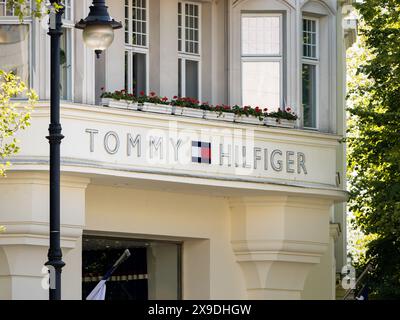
column 174, row 150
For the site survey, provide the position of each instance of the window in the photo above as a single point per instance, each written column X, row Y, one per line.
column 66, row 49
column 136, row 45
column 5, row 11
column 189, row 50
column 262, row 58
column 310, row 72
column 14, row 43
column 152, row 272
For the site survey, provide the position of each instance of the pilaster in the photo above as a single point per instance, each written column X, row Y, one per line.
column 276, row 240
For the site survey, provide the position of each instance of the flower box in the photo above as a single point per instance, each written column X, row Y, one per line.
column 278, row 122
column 157, row 108
column 106, row 101
column 120, row 104
column 134, row 106
column 215, row 115
column 189, row 112
column 248, row 119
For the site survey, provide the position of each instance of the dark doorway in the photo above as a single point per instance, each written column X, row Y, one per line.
column 151, row 272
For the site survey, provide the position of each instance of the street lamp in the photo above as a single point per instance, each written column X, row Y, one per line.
column 98, row 27
column 98, row 35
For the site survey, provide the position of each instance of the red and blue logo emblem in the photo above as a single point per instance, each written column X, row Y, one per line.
column 201, row 152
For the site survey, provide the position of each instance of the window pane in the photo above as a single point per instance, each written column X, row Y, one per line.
column 126, row 66
column 65, row 64
column 139, row 27
column 139, row 72
column 191, row 25
column 179, row 77
column 192, row 79
column 14, row 50
column 261, row 35
column 261, row 84
column 4, row 11
column 309, row 95
column 67, row 10
column 309, row 38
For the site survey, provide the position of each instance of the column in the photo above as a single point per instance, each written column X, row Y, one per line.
column 24, row 199
column 277, row 240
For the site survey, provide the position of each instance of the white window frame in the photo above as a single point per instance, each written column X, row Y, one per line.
column 8, row 20
column 183, row 55
column 264, row 58
column 131, row 48
column 69, row 26
column 315, row 62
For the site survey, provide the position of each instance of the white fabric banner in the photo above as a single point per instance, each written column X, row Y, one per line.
column 99, row 291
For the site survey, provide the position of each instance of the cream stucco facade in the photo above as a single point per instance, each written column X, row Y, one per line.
column 258, row 224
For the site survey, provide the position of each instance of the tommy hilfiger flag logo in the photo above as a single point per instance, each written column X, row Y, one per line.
column 201, row 152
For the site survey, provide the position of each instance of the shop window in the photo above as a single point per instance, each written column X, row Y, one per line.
column 151, row 272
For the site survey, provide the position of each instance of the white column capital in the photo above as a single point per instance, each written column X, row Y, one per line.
column 24, row 198
column 276, row 240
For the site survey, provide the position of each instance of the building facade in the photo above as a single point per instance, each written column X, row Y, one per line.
column 210, row 209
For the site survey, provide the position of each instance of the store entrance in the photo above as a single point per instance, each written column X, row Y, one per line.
column 151, row 272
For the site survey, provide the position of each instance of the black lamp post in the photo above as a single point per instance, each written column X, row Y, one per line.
column 98, row 34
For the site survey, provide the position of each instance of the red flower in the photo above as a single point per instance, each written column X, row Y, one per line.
column 123, row 91
column 164, row 99
column 175, row 97
column 288, row 109
column 257, row 109
column 141, row 93
column 102, row 88
column 265, row 109
column 152, row 93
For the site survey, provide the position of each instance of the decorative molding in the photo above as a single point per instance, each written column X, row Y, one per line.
column 335, row 230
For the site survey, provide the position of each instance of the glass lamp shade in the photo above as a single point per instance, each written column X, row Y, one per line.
column 98, row 36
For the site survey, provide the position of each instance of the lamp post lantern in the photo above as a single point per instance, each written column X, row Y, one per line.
column 98, row 27
column 98, row 33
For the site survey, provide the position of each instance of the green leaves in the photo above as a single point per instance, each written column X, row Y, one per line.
column 13, row 116
column 23, row 9
column 374, row 140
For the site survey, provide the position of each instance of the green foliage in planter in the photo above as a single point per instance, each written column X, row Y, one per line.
column 286, row 114
column 187, row 102
column 249, row 111
column 119, row 95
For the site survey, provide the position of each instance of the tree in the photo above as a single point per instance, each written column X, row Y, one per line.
column 12, row 118
column 22, row 8
column 374, row 142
